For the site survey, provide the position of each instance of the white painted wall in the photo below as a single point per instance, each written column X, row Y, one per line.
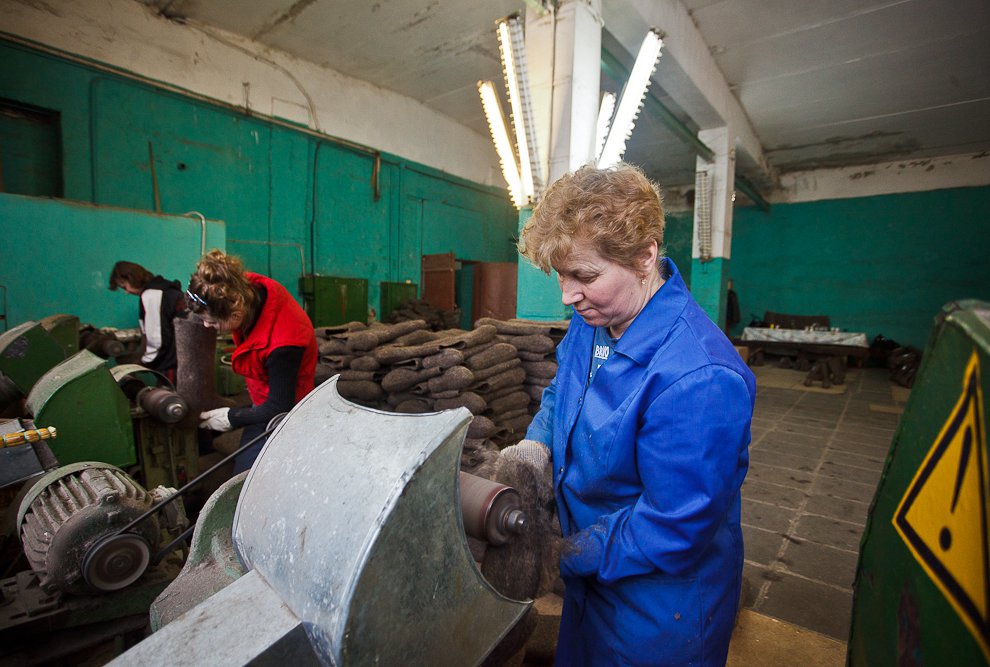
column 952, row 171
column 969, row 170
column 231, row 69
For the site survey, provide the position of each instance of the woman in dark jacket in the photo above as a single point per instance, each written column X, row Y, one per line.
column 161, row 302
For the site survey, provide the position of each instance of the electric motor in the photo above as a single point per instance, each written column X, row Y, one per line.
column 68, row 524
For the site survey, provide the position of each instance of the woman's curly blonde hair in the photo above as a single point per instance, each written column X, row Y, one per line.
column 618, row 210
column 222, row 287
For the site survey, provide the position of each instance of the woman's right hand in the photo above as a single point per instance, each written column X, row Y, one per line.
column 215, row 420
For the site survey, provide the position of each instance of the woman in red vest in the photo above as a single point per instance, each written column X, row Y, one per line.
column 275, row 344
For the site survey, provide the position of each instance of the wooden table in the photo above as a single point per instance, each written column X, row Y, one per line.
column 823, row 354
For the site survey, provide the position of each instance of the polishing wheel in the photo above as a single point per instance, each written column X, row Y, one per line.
column 492, row 512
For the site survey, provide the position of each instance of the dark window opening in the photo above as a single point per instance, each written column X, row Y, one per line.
column 30, row 150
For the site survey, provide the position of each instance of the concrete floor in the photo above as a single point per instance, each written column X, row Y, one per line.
column 815, row 461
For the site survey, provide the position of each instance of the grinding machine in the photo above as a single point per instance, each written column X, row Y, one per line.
column 347, row 543
column 32, row 348
column 27, row 352
column 127, row 415
column 98, row 551
column 922, row 588
column 89, row 450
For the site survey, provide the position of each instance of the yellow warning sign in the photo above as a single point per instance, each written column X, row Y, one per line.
column 943, row 515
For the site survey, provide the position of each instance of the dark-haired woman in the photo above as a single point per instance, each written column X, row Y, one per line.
column 161, row 302
column 275, row 344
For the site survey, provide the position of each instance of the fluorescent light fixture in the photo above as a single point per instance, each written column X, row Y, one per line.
column 631, row 100
column 604, row 118
column 512, row 47
column 703, row 212
column 500, row 137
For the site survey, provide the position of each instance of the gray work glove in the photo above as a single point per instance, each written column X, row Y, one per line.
column 215, row 420
column 528, row 451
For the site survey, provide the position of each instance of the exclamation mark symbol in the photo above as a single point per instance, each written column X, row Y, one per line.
column 945, row 535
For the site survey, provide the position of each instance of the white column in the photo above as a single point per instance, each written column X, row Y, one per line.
column 563, row 50
column 563, row 54
column 720, row 175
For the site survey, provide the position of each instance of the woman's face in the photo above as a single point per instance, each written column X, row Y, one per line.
column 603, row 293
column 232, row 323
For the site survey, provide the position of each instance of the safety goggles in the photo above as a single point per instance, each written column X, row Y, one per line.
column 198, row 300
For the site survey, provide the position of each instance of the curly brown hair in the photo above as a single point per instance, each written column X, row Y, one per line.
column 618, row 210
column 219, row 287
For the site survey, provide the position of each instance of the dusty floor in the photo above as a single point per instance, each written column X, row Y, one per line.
column 815, row 461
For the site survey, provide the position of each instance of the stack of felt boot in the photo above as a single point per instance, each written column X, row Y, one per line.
column 536, row 344
column 418, row 309
column 348, row 351
column 497, row 371
column 499, row 381
column 431, row 373
column 403, row 367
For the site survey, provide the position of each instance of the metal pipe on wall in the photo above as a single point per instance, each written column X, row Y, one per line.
column 202, row 222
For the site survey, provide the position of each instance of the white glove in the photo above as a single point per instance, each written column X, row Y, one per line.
column 528, row 451
column 215, row 420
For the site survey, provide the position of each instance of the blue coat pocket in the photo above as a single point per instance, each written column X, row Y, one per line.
column 658, row 620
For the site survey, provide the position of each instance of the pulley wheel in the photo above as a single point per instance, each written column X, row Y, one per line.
column 116, row 562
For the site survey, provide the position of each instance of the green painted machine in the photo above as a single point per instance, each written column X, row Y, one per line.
column 922, row 591
column 26, row 353
column 97, row 542
column 126, row 415
column 79, row 397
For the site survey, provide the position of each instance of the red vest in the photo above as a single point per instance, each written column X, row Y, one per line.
column 281, row 323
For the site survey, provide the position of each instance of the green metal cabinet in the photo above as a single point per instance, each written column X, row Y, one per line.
column 331, row 300
column 393, row 294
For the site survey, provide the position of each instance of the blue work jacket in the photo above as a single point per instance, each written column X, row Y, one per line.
column 648, row 460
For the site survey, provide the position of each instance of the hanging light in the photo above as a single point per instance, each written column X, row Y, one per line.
column 631, row 101
column 604, row 118
column 500, row 137
column 512, row 48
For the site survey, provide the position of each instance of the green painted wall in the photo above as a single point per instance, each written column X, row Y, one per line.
column 709, row 287
column 58, row 256
column 30, row 154
column 882, row 265
column 293, row 202
column 538, row 295
column 677, row 238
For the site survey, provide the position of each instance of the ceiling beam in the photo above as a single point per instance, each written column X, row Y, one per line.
column 615, row 68
column 688, row 73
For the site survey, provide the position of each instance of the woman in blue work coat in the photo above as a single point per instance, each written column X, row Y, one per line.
column 647, row 424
